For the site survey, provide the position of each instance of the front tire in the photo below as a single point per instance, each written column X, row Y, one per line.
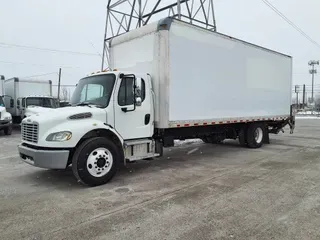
column 96, row 161
column 8, row 130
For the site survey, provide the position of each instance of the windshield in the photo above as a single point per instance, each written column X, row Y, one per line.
column 94, row 90
column 42, row 102
column 1, row 102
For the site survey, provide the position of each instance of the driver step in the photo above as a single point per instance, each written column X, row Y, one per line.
column 139, row 149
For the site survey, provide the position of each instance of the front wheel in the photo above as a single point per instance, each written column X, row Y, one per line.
column 96, row 161
column 8, row 130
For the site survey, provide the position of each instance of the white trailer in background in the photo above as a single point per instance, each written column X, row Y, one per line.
column 24, row 94
column 173, row 81
column 5, row 117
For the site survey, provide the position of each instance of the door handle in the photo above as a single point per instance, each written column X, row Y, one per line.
column 147, row 119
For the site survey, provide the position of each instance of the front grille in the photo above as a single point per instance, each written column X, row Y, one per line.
column 29, row 132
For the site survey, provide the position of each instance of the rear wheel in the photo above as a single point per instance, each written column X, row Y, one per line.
column 255, row 135
column 8, row 130
column 96, row 161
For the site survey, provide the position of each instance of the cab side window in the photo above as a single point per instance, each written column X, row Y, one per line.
column 143, row 90
column 125, row 95
column 23, row 102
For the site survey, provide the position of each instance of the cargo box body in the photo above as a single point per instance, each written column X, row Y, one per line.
column 17, row 88
column 2, row 92
column 202, row 77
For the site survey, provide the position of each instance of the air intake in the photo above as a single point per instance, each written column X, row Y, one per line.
column 80, row 116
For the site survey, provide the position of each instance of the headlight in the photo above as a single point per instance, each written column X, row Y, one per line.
column 7, row 118
column 59, row 136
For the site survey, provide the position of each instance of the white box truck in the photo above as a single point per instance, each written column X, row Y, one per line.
column 5, row 117
column 173, row 81
column 24, row 94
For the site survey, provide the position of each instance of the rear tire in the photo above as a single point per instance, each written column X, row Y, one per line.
column 8, row 130
column 96, row 161
column 255, row 135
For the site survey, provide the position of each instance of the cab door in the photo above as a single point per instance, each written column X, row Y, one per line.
column 131, row 120
column 21, row 106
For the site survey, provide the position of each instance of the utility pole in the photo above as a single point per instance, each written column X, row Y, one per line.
column 59, row 84
column 312, row 72
column 296, row 89
column 303, row 96
column 2, row 85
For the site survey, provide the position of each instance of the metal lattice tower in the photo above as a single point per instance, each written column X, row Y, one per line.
column 125, row 15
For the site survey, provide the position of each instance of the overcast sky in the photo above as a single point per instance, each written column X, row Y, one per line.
column 78, row 25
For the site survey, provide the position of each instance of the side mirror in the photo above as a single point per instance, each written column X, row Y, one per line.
column 138, row 101
column 11, row 103
column 137, row 93
column 138, row 83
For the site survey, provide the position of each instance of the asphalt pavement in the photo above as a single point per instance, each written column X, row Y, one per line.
column 195, row 191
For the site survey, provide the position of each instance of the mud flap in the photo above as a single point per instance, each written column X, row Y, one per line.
column 242, row 136
column 292, row 119
column 266, row 138
column 292, row 124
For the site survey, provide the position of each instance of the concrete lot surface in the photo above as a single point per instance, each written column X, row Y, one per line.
column 196, row 191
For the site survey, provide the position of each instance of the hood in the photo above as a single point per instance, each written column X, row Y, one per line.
column 4, row 115
column 65, row 111
column 57, row 119
column 36, row 109
column 55, row 116
column 2, row 110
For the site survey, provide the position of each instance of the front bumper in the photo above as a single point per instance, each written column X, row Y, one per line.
column 5, row 124
column 50, row 159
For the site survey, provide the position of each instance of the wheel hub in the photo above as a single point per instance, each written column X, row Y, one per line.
column 99, row 162
column 258, row 135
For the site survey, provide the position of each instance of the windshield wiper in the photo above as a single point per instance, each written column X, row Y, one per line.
column 89, row 104
column 84, row 104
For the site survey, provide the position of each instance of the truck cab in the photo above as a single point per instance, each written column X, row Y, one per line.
column 34, row 104
column 5, row 118
column 111, row 121
column 122, row 99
